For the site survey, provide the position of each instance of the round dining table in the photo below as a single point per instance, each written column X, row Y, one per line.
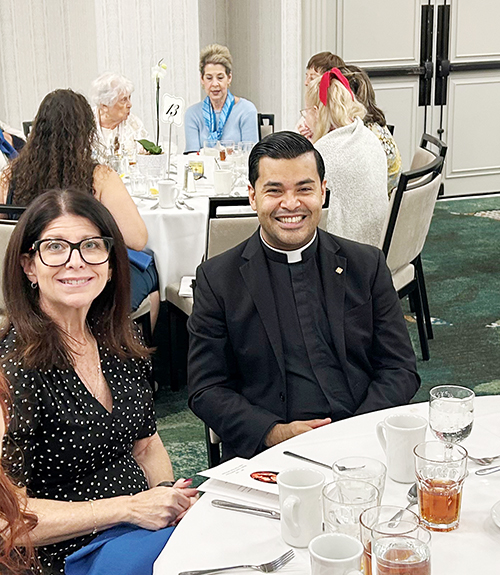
column 212, row 537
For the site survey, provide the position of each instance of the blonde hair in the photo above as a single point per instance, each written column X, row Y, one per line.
column 341, row 108
column 216, row 54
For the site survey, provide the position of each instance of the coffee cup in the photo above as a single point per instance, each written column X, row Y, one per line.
column 398, row 435
column 335, row 554
column 223, row 182
column 167, row 193
column 300, row 505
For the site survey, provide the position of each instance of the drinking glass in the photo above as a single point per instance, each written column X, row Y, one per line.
column 451, row 412
column 344, row 501
column 440, row 469
column 380, row 519
column 407, row 554
column 364, row 468
column 211, row 148
column 228, row 146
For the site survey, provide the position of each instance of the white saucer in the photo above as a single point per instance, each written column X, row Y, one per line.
column 495, row 513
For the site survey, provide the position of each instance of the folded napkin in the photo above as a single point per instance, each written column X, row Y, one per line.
column 122, row 550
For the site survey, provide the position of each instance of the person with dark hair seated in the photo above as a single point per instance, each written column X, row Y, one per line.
column 83, row 439
column 294, row 327
column 59, row 154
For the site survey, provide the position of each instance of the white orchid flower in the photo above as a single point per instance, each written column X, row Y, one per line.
column 159, row 71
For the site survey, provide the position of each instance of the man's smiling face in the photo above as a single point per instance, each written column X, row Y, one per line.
column 288, row 197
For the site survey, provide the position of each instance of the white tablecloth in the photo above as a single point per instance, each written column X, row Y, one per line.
column 177, row 238
column 209, row 537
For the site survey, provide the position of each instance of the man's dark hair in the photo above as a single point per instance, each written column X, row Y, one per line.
column 282, row 146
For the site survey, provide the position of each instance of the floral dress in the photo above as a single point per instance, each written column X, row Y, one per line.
column 391, row 150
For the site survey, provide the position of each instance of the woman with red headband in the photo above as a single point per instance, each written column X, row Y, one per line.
column 356, row 167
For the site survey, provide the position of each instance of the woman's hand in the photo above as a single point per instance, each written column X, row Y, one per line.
column 304, row 129
column 161, row 506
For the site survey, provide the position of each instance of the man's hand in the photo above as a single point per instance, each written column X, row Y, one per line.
column 282, row 431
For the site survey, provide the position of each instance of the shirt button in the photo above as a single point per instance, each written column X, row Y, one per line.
column 282, row 396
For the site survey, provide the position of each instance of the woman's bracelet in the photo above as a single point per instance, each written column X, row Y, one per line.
column 94, row 531
column 166, row 484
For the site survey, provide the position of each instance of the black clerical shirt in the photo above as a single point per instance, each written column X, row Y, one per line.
column 311, row 361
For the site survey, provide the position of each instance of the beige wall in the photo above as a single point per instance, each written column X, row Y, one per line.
column 45, row 45
column 67, row 43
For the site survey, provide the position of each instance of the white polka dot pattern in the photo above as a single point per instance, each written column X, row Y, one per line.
column 63, row 444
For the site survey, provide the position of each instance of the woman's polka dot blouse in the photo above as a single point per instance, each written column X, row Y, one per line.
column 63, row 444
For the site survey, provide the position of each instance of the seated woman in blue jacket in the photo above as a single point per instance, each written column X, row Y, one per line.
column 221, row 115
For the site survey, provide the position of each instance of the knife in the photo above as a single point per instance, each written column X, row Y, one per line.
column 246, row 509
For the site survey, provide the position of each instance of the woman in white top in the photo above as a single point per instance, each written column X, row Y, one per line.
column 356, row 167
column 117, row 128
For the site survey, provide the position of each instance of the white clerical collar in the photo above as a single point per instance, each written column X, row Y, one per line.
column 293, row 256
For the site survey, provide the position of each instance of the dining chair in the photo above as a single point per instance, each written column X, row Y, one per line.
column 27, row 128
column 429, row 149
column 410, row 214
column 6, row 229
column 266, row 125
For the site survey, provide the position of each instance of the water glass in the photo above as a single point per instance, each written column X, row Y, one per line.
column 381, row 519
column 440, row 469
column 364, row 468
column 401, row 554
column 344, row 501
column 451, row 412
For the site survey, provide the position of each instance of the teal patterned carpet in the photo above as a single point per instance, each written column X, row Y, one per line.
column 462, row 271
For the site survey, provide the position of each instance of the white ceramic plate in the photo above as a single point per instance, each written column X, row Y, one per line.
column 495, row 513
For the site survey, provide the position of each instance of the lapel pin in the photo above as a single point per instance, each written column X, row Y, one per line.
column 339, row 270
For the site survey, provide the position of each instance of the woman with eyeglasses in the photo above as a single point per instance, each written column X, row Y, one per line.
column 60, row 153
column 83, row 439
column 356, row 167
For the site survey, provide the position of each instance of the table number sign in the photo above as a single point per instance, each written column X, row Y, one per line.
column 173, row 113
column 173, row 110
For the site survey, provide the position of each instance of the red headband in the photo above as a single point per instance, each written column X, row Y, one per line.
column 325, row 84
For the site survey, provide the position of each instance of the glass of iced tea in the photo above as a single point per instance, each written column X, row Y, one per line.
column 384, row 520
column 401, row 554
column 440, row 469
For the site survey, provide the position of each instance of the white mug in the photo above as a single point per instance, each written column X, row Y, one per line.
column 223, row 182
column 300, row 505
column 335, row 554
column 398, row 435
column 167, row 193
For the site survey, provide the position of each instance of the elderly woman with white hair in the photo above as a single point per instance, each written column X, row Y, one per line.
column 118, row 129
column 355, row 163
column 221, row 115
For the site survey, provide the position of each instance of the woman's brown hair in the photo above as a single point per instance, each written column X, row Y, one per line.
column 15, row 521
column 58, row 153
column 363, row 90
column 40, row 342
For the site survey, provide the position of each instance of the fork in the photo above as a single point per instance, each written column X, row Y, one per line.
column 270, row 567
column 484, row 460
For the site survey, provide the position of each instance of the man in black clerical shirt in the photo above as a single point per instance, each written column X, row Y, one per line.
column 294, row 327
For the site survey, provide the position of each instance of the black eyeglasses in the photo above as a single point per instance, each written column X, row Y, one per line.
column 54, row 252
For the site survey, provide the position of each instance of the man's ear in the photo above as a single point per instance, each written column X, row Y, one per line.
column 251, row 197
column 323, row 192
column 28, row 265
